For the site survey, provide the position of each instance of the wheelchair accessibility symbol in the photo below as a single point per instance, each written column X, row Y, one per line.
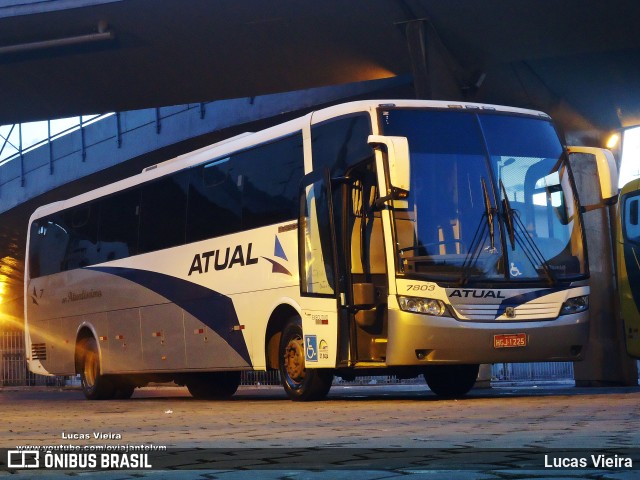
column 311, row 348
column 514, row 270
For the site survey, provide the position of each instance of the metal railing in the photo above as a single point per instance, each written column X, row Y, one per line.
column 14, row 148
column 532, row 371
column 13, row 145
column 13, row 367
column 509, row 372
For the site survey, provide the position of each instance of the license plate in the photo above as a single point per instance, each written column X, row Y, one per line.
column 510, row 340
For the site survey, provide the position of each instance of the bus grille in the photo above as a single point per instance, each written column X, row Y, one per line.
column 527, row 312
column 38, row 351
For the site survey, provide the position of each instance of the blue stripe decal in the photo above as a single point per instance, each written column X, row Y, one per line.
column 212, row 308
column 524, row 298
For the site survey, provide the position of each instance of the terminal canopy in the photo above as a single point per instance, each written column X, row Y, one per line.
column 579, row 60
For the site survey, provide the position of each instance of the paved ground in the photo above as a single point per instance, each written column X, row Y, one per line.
column 506, row 432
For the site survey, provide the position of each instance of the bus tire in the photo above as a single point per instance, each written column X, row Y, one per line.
column 451, row 381
column 213, row 386
column 300, row 383
column 95, row 386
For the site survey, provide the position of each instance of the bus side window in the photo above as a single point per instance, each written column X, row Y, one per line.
column 631, row 221
column 367, row 252
column 47, row 247
column 270, row 176
column 633, row 212
column 341, row 143
column 118, row 230
column 215, row 201
column 163, row 210
column 82, row 227
column 249, row 189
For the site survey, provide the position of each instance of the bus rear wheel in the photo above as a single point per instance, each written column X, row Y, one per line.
column 451, row 380
column 213, row 386
column 95, row 386
column 300, row 383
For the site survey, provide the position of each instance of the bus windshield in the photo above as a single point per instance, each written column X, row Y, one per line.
column 490, row 199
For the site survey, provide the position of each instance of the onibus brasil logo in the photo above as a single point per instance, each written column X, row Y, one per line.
column 31, row 459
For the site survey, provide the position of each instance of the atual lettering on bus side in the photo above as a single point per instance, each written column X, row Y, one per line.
column 222, row 259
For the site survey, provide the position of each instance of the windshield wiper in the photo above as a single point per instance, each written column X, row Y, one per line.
column 480, row 235
column 519, row 234
column 508, row 216
column 490, row 213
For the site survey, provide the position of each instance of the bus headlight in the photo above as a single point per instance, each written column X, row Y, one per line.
column 428, row 306
column 575, row 305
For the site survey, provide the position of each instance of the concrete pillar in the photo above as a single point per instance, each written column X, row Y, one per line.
column 605, row 361
column 416, row 44
column 436, row 73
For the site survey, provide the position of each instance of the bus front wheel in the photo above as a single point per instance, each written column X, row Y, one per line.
column 451, row 380
column 95, row 386
column 300, row 383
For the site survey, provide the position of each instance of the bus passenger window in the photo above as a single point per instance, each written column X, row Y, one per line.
column 631, row 222
column 47, row 246
column 163, row 210
column 118, row 231
column 82, row 227
column 633, row 212
column 271, row 175
column 214, row 201
column 341, row 143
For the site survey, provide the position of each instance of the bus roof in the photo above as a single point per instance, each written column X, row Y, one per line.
column 248, row 140
column 630, row 186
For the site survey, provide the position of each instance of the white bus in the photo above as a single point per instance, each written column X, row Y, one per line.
column 370, row 238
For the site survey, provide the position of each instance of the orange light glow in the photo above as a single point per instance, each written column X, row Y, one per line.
column 613, row 140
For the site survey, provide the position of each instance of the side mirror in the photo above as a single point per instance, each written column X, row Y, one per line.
column 607, row 171
column 398, row 157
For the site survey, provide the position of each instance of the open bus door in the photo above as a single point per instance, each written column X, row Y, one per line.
column 308, row 345
column 367, row 274
column 342, row 269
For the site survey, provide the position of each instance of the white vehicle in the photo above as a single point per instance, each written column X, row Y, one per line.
column 395, row 238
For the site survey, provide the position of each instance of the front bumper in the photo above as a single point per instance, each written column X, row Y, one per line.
column 416, row 339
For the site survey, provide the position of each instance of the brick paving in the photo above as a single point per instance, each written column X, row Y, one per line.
column 358, row 432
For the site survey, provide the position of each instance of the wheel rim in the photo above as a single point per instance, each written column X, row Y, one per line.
column 90, row 369
column 294, row 359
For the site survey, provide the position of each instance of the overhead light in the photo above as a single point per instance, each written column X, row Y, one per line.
column 613, row 140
